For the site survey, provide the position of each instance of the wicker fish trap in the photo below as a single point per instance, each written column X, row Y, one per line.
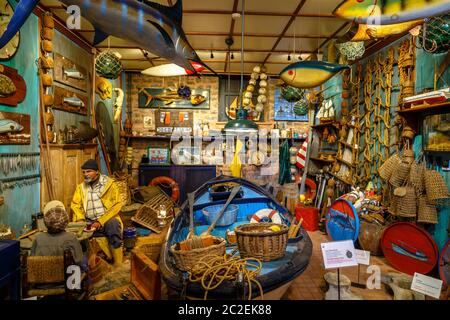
column 393, row 205
column 186, row 259
column 416, row 177
column 436, row 188
column 400, row 174
column 407, row 205
column 388, row 167
column 427, row 212
column 121, row 181
column 147, row 215
column 257, row 240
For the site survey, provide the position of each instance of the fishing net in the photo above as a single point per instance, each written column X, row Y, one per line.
column 437, row 31
column 108, row 65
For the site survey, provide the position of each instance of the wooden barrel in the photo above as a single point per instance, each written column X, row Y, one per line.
column 369, row 237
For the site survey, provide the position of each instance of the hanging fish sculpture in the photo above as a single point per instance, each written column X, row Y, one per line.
column 390, row 11
column 172, row 70
column 84, row 133
column 309, row 74
column 7, row 86
column 363, row 32
column 118, row 104
column 8, row 125
column 156, row 28
column 197, row 99
column 73, row 101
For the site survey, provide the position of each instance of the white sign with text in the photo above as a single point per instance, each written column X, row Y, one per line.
column 338, row 254
column 426, row 285
column 363, row 257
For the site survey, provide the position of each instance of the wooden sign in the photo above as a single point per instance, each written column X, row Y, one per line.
column 70, row 101
column 69, row 73
column 13, row 88
column 168, row 121
column 14, row 128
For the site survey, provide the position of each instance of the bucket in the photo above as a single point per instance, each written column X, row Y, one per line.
column 129, row 237
column 310, row 217
column 228, row 217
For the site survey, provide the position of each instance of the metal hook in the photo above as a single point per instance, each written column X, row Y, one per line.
column 423, row 45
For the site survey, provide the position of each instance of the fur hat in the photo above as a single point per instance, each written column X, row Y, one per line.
column 56, row 220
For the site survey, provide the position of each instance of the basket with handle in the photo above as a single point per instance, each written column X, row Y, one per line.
column 407, row 203
column 436, row 188
column 400, row 174
column 257, row 240
column 417, row 176
column 427, row 212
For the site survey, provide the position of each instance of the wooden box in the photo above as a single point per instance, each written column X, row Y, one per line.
column 145, row 282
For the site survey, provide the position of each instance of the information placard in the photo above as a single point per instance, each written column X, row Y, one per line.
column 338, row 254
column 427, row 285
column 362, row 256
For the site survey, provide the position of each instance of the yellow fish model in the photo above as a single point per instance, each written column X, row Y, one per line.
column 363, row 32
column 390, row 11
column 310, row 74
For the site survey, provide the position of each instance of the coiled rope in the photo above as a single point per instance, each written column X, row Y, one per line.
column 211, row 271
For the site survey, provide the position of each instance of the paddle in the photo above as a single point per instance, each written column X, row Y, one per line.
column 233, row 193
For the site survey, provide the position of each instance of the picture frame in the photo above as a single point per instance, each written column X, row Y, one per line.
column 285, row 111
column 158, row 156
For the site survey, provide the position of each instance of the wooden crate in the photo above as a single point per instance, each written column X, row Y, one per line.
column 145, row 282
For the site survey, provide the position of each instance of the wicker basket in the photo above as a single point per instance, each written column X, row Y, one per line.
column 256, row 240
column 407, row 205
column 408, row 156
column 435, row 186
column 388, row 167
column 427, row 211
column 151, row 250
column 186, row 259
column 393, row 205
column 121, row 180
column 400, row 174
column 416, row 177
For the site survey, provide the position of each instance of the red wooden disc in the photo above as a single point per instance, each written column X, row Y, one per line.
column 409, row 248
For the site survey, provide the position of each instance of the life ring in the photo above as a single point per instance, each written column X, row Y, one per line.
column 266, row 214
column 167, row 180
column 310, row 186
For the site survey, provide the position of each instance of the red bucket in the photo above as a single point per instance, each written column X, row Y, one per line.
column 310, row 217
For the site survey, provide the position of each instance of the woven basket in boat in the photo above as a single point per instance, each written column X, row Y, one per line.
column 256, row 240
column 400, row 174
column 124, row 190
column 435, row 186
column 151, row 250
column 427, row 211
column 387, row 168
column 186, row 259
column 407, row 205
column 416, row 177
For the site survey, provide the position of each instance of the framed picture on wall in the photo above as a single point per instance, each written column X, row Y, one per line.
column 289, row 111
column 158, row 156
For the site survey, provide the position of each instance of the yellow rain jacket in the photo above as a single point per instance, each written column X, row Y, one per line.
column 110, row 198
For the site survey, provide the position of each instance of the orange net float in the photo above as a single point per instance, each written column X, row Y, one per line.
column 163, row 180
column 310, row 186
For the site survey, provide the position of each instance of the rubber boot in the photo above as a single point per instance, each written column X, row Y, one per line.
column 103, row 244
column 118, row 256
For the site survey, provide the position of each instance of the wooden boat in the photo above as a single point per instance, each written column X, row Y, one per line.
column 275, row 276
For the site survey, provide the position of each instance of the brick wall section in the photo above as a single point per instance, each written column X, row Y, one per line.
column 210, row 116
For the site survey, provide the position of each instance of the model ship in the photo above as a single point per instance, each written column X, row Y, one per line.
column 326, row 111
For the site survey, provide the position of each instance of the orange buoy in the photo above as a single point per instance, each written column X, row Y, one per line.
column 168, row 181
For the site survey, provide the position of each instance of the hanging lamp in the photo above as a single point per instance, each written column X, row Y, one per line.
column 241, row 123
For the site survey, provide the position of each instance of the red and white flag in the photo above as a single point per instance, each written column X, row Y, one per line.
column 301, row 155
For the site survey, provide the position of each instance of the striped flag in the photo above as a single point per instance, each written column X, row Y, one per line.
column 301, row 155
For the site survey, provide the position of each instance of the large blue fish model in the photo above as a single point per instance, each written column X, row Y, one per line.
column 309, row 74
column 154, row 27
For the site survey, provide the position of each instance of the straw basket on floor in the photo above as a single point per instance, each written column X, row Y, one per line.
column 256, row 240
column 435, row 186
column 407, row 204
column 400, row 174
column 427, row 211
column 388, row 167
column 186, row 259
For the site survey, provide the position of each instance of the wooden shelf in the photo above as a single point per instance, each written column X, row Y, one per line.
column 435, row 108
column 327, row 124
column 347, row 145
column 340, row 179
column 72, row 145
column 206, row 139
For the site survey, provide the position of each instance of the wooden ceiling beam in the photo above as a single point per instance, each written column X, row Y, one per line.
column 293, row 17
column 331, row 37
column 230, row 34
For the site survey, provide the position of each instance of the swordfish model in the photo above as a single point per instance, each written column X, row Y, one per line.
column 154, row 27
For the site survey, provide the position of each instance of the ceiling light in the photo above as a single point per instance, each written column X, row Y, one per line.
column 232, row 56
column 212, row 55
column 289, row 57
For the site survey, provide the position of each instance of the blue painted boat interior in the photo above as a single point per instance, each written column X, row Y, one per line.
column 248, row 194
